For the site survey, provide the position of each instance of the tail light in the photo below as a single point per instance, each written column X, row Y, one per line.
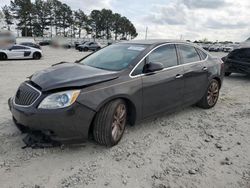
column 222, row 66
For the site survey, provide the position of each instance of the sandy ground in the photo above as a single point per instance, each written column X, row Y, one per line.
column 189, row 148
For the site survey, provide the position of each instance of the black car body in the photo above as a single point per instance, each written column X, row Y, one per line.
column 45, row 43
column 30, row 44
column 237, row 61
column 122, row 83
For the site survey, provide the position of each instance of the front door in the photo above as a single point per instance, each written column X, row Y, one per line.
column 163, row 90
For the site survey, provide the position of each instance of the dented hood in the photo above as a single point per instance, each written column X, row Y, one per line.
column 67, row 75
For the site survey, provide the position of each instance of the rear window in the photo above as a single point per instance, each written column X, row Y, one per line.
column 189, row 54
column 203, row 55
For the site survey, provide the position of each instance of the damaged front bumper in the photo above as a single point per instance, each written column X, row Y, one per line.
column 70, row 124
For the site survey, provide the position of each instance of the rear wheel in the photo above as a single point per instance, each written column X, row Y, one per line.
column 37, row 55
column 3, row 56
column 228, row 73
column 211, row 96
column 110, row 122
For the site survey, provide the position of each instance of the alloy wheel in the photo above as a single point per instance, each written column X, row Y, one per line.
column 119, row 122
column 213, row 93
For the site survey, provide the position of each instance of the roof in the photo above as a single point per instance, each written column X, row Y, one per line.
column 154, row 41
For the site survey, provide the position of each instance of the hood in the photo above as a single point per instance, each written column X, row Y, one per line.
column 71, row 75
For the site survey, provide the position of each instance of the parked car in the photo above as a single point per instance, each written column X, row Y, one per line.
column 89, row 46
column 20, row 52
column 205, row 46
column 228, row 48
column 77, row 44
column 30, row 44
column 118, row 85
column 237, row 61
column 214, row 48
column 45, row 43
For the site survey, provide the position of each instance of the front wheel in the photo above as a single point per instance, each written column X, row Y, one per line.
column 110, row 122
column 3, row 56
column 211, row 96
column 37, row 55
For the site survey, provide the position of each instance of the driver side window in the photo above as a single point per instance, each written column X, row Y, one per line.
column 165, row 54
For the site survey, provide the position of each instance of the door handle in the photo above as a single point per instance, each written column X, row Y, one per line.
column 178, row 76
column 204, row 68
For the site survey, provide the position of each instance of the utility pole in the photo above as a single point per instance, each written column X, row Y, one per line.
column 146, row 35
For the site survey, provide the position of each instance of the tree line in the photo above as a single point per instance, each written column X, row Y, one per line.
column 43, row 16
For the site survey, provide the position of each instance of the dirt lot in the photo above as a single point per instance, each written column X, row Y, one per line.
column 190, row 148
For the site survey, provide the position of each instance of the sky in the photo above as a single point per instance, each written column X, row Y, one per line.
column 178, row 19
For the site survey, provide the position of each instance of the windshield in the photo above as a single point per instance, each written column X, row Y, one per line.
column 115, row 57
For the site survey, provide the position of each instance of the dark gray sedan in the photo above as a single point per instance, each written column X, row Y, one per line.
column 121, row 84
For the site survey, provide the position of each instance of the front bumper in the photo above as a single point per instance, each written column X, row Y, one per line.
column 63, row 125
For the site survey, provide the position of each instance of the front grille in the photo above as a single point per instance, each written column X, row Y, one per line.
column 26, row 95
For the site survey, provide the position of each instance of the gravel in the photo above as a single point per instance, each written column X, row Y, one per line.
column 189, row 148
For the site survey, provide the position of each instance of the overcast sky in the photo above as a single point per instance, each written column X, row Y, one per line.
column 191, row 19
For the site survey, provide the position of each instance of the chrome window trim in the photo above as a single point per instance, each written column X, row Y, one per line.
column 25, row 106
column 168, row 68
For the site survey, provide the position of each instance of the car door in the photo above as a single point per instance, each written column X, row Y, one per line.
column 195, row 73
column 20, row 52
column 15, row 52
column 163, row 90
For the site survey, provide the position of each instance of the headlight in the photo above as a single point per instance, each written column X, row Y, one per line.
column 59, row 100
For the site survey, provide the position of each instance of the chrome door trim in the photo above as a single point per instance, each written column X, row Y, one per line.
column 169, row 68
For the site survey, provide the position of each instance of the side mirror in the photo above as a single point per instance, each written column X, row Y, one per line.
column 153, row 67
column 77, row 61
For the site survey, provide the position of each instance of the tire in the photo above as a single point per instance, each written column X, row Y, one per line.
column 107, row 131
column 37, row 55
column 80, row 49
column 211, row 96
column 85, row 49
column 228, row 73
column 3, row 56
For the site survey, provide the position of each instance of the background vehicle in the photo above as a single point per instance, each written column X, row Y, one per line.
column 20, row 52
column 79, row 43
column 45, row 43
column 228, row 48
column 214, row 48
column 7, row 38
column 237, row 61
column 30, row 44
column 89, row 46
column 205, row 46
column 120, row 84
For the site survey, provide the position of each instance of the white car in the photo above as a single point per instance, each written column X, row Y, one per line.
column 20, row 52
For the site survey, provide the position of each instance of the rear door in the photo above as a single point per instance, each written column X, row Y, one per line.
column 195, row 73
column 163, row 90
